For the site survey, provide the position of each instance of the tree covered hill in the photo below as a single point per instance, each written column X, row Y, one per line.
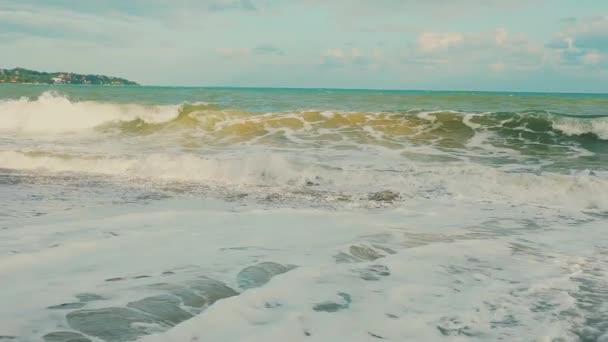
column 20, row 75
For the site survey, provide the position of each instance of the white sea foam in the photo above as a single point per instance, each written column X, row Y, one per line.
column 574, row 126
column 488, row 240
column 452, row 269
column 254, row 168
column 52, row 112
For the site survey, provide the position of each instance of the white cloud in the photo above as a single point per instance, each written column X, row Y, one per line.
column 183, row 42
column 268, row 49
column 438, row 7
column 432, row 41
column 225, row 5
column 500, row 39
column 592, row 58
column 499, row 50
column 337, row 57
column 49, row 21
column 587, row 33
column 582, row 42
column 265, row 50
column 497, row 67
column 233, row 52
column 334, row 53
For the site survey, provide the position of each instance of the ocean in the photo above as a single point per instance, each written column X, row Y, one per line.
column 246, row 214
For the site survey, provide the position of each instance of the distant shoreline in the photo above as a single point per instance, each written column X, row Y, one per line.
column 72, row 84
column 32, row 77
column 322, row 89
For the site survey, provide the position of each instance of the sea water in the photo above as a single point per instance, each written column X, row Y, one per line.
column 219, row 214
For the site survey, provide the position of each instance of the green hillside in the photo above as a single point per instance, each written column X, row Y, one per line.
column 20, row 75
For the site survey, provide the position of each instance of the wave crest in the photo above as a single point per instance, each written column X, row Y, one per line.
column 261, row 172
column 54, row 113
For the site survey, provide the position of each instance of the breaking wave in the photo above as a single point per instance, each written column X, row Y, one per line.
column 264, row 171
column 54, row 113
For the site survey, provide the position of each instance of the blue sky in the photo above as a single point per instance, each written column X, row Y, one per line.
column 526, row 45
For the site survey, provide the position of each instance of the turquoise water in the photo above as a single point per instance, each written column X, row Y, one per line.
column 225, row 214
column 556, row 129
column 277, row 99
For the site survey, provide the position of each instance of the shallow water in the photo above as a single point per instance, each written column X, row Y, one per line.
column 181, row 214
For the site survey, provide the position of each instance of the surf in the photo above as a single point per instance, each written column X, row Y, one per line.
column 262, row 174
column 53, row 113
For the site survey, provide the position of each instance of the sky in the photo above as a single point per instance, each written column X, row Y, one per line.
column 494, row 45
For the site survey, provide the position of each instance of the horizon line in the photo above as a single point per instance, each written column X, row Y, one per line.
column 314, row 88
column 381, row 89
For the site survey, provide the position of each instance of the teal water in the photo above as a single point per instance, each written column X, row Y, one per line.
column 277, row 99
column 242, row 214
column 562, row 132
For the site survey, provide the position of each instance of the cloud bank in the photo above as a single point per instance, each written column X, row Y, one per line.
column 461, row 44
